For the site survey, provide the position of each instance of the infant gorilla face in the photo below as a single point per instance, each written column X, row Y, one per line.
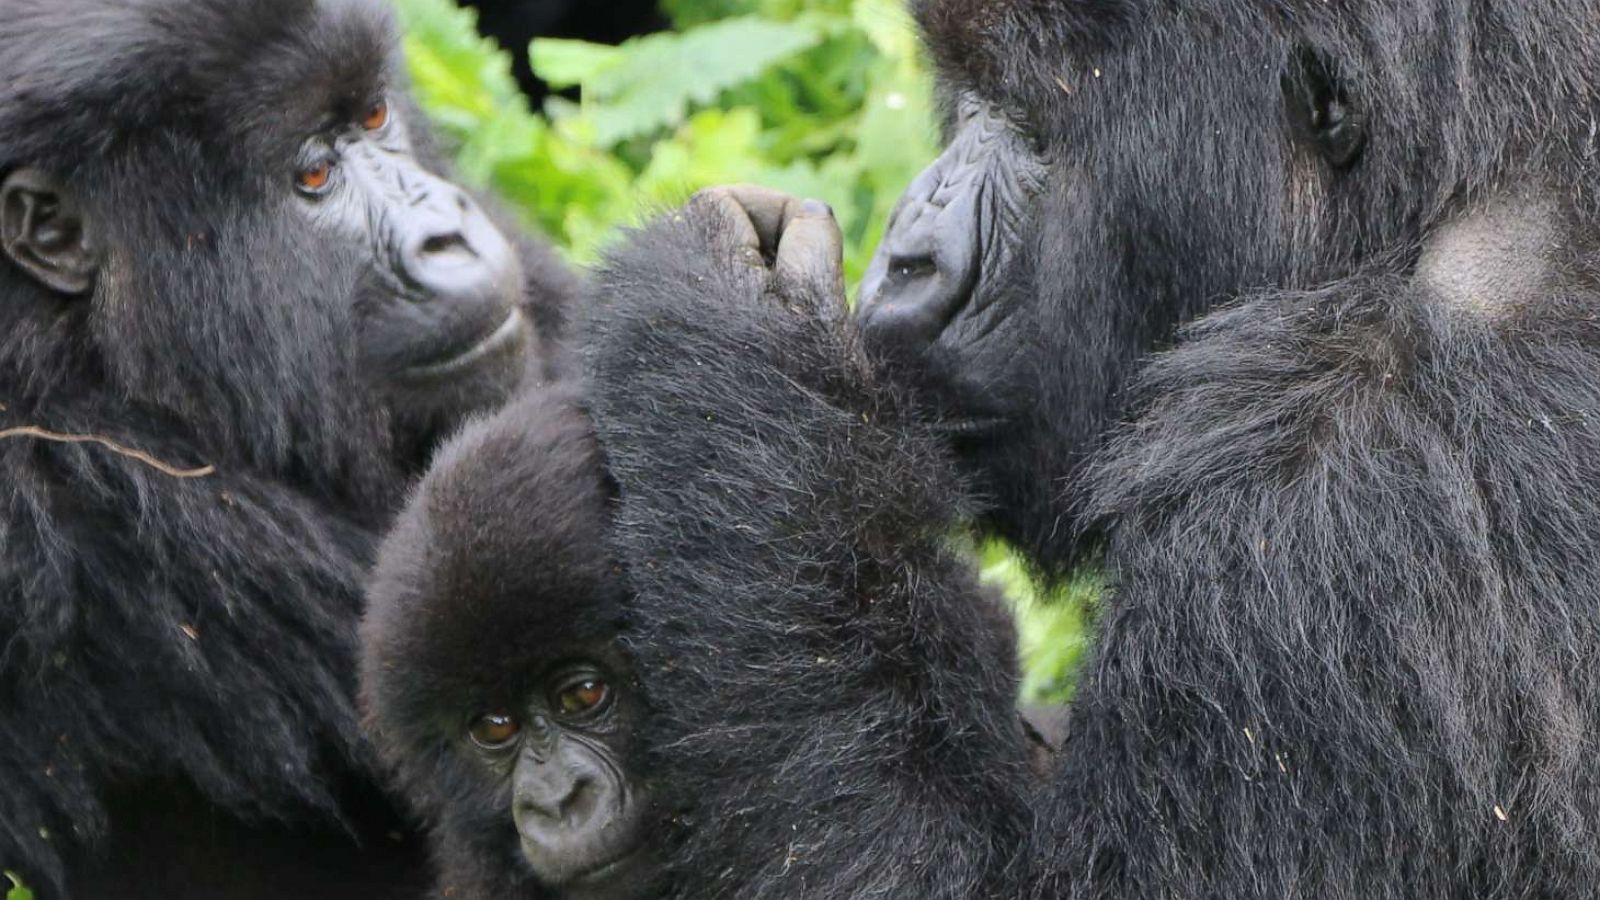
column 563, row 752
column 492, row 667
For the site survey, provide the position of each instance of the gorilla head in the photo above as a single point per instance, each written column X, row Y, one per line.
column 493, row 673
column 1113, row 169
column 229, row 210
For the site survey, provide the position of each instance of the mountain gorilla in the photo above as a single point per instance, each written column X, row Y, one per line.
column 1351, row 527
column 238, row 302
column 493, row 671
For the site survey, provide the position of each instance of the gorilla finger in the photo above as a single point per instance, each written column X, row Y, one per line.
column 720, row 206
column 810, row 258
column 769, row 210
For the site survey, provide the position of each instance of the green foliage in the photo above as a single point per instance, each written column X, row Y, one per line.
column 819, row 98
column 653, row 81
column 1053, row 629
column 18, row 890
column 823, row 99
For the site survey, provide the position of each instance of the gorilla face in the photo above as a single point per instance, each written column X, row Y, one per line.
column 578, row 809
column 438, row 312
column 944, row 280
column 436, row 303
column 265, row 246
column 494, row 668
column 1104, row 180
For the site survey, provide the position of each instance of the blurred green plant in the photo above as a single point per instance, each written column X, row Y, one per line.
column 823, row 99
column 1053, row 627
column 17, row 890
column 818, row 98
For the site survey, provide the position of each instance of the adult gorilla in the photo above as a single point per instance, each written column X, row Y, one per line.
column 1352, row 528
column 236, row 305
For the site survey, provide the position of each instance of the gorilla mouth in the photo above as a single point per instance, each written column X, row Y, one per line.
column 506, row 335
column 606, row 870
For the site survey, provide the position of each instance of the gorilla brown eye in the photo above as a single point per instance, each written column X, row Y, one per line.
column 582, row 696
column 494, row 730
column 377, row 116
column 314, row 179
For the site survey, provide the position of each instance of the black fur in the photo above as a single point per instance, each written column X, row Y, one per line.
column 498, row 568
column 1177, row 181
column 1347, row 649
column 832, row 698
column 177, row 663
column 1351, row 526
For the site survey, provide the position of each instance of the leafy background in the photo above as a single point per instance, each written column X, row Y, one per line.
column 819, row 98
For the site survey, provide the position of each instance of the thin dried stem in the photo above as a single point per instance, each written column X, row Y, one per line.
column 34, row 431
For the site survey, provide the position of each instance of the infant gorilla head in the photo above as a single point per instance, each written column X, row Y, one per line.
column 492, row 672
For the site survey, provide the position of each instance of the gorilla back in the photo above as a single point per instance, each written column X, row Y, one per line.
column 237, row 302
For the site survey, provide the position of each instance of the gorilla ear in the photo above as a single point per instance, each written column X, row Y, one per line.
column 1322, row 107
column 42, row 230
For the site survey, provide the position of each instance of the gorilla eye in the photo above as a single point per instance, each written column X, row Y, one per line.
column 583, row 696
column 493, row 731
column 377, row 116
column 315, row 178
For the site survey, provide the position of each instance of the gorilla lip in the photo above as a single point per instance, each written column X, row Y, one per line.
column 605, row 870
column 507, row 334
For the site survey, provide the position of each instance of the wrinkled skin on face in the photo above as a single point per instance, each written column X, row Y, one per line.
column 942, row 284
column 438, row 310
column 1087, row 203
column 955, row 236
column 579, row 810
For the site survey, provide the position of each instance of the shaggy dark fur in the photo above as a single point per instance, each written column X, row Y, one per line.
column 1348, row 652
column 1177, row 181
column 497, row 569
column 1352, row 529
column 177, row 654
column 832, row 704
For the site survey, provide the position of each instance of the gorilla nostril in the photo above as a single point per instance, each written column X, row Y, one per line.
column 580, row 802
column 909, row 268
column 443, row 243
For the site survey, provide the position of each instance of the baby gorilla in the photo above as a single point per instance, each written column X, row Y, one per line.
column 492, row 673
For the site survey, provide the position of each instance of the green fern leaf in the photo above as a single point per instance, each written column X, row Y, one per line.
column 650, row 83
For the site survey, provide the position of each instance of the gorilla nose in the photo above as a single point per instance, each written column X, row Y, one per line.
column 923, row 273
column 550, row 807
column 452, row 250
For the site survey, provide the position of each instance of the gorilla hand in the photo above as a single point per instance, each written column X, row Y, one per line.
column 798, row 240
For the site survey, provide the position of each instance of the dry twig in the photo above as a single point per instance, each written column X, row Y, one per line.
column 35, row 431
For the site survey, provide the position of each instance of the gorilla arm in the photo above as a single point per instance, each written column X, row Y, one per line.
column 832, row 702
column 1351, row 546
